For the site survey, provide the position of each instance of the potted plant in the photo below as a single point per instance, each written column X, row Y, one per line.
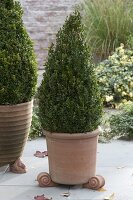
column 70, row 109
column 18, row 78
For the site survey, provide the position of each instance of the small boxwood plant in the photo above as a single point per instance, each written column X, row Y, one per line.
column 36, row 129
column 69, row 99
column 121, row 124
column 18, row 71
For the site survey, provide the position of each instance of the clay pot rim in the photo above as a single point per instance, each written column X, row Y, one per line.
column 16, row 105
column 72, row 136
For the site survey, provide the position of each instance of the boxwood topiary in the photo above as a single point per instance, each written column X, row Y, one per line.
column 69, row 99
column 18, row 71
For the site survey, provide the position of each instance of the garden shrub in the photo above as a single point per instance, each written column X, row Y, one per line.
column 130, row 42
column 36, row 129
column 122, row 123
column 18, row 71
column 108, row 23
column 115, row 77
column 69, row 99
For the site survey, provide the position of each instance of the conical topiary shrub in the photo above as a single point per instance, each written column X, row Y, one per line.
column 18, row 78
column 69, row 102
column 17, row 61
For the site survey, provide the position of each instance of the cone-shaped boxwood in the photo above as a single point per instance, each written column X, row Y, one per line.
column 69, row 100
column 18, row 72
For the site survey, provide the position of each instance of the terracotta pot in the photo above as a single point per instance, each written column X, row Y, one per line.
column 15, row 121
column 72, row 157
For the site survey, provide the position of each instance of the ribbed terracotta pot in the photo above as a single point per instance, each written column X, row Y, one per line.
column 15, row 121
column 72, row 157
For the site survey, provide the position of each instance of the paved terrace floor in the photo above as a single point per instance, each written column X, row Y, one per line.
column 114, row 162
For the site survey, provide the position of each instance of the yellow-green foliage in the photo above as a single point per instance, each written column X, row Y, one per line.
column 115, row 77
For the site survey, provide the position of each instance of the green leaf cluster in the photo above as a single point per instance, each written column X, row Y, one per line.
column 18, row 68
column 115, row 77
column 122, row 123
column 36, row 128
column 69, row 99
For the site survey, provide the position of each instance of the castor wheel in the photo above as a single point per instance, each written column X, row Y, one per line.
column 45, row 180
column 95, row 182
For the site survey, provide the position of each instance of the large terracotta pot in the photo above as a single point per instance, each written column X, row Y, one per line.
column 72, row 160
column 15, row 121
column 72, row 157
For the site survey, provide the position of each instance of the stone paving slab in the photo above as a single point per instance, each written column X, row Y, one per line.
column 114, row 163
column 116, row 153
column 34, row 165
column 14, row 192
column 118, row 182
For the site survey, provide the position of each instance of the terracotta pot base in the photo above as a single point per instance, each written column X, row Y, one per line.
column 17, row 167
column 94, row 183
column 72, row 157
column 44, row 180
column 72, row 160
